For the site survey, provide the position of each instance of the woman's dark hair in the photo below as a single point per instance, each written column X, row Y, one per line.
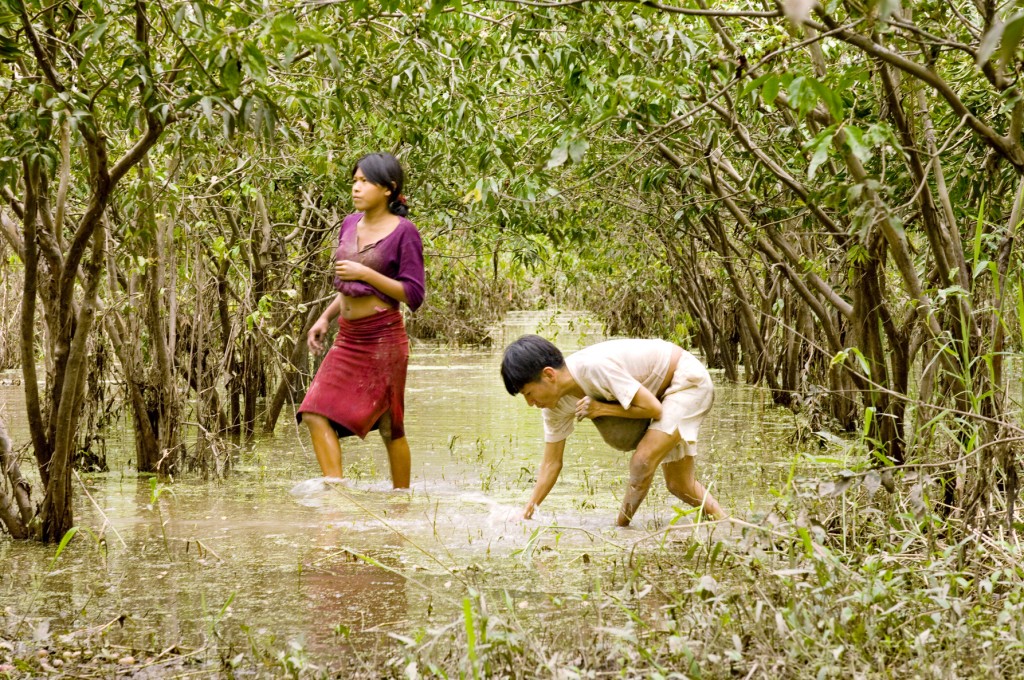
column 384, row 170
column 525, row 359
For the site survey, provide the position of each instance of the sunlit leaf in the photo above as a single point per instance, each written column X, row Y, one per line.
column 577, row 148
column 820, row 155
column 1011, row 38
column 989, row 42
column 558, row 156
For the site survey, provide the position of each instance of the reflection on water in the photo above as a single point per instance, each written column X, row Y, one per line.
column 267, row 553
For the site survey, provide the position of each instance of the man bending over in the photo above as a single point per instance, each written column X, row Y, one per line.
column 640, row 379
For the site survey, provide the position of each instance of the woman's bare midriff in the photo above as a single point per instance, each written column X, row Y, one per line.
column 353, row 308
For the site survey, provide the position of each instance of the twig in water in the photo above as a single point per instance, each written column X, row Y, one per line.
column 106, row 519
column 380, row 519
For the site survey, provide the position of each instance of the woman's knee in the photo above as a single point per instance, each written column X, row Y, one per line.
column 315, row 422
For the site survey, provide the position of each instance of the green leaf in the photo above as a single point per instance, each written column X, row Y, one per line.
column 559, row 155
column 284, row 25
column 63, row 544
column 1011, row 38
column 802, row 94
column 869, row 413
column 9, row 49
column 989, row 43
column 979, row 229
column 755, row 83
column 577, row 148
column 1020, row 295
column 467, row 613
column 855, row 141
column 820, row 155
column 770, row 91
column 829, row 96
column 255, row 62
column 312, row 36
column 230, row 76
column 187, row 102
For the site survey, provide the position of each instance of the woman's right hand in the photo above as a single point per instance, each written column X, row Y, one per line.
column 315, row 337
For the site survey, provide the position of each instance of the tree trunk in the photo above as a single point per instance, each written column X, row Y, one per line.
column 15, row 498
column 37, row 428
column 56, row 512
column 297, row 358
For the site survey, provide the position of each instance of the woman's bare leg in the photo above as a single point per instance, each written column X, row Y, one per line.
column 325, row 444
column 400, row 459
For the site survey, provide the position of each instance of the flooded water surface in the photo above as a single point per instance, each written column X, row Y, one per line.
column 270, row 555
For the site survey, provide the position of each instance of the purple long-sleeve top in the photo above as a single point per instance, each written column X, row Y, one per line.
column 398, row 256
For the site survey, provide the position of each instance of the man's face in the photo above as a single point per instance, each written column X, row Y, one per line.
column 542, row 393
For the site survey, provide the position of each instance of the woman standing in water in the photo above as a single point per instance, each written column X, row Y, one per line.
column 379, row 263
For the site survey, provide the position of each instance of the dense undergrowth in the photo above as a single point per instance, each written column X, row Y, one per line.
column 846, row 580
column 873, row 589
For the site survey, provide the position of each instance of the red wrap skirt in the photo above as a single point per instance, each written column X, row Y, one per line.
column 360, row 386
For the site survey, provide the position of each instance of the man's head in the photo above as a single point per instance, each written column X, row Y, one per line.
column 530, row 366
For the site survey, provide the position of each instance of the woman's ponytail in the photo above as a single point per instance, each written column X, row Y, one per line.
column 398, row 206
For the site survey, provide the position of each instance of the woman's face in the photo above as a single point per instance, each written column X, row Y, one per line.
column 366, row 195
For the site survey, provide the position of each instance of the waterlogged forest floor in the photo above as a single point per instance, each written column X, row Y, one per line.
column 821, row 572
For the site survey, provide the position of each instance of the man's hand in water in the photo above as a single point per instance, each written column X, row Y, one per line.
column 528, row 511
column 315, row 337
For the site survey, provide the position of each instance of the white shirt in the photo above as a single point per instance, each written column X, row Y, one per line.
column 614, row 371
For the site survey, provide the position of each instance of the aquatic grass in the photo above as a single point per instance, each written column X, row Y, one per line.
column 215, row 620
column 201, row 549
column 38, row 583
column 778, row 601
column 467, row 613
column 492, row 472
column 156, row 491
column 829, row 580
column 391, row 570
column 68, row 535
column 775, row 597
column 526, row 552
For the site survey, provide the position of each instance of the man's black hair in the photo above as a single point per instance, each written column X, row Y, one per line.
column 525, row 359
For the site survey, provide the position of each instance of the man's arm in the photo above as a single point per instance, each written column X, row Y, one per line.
column 645, row 461
column 550, row 468
column 644, row 405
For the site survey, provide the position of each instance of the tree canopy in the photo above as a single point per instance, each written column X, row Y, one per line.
column 823, row 198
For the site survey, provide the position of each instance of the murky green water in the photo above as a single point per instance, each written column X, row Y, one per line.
column 221, row 563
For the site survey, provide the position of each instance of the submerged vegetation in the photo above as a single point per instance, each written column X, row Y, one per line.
column 817, row 588
column 824, row 199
